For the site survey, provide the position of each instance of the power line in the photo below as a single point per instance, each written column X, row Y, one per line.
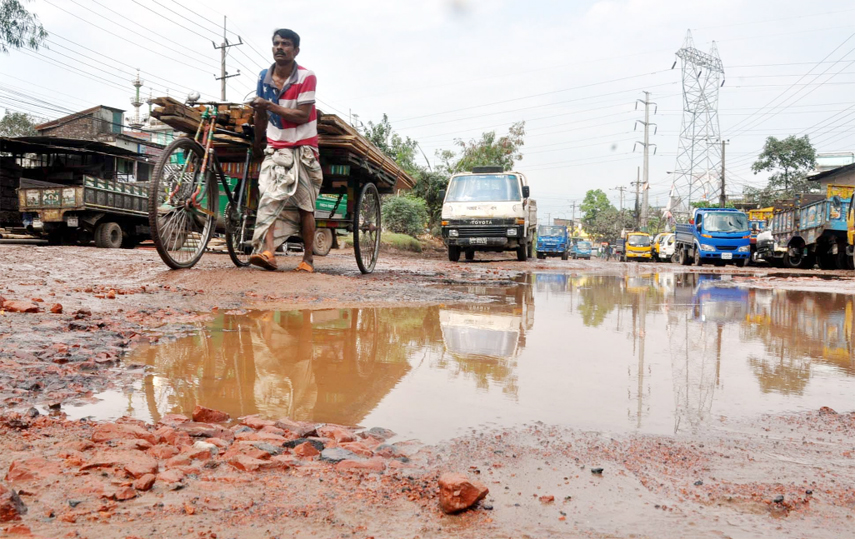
column 530, row 96
column 183, row 62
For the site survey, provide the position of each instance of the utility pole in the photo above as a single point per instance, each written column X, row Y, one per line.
column 621, row 189
column 646, row 144
column 223, row 73
column 722, row 199
column 637, row 184
column 573, row 212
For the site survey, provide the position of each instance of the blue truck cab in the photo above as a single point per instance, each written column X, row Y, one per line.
column 581, row 249
column 552, row 240
column 717, row 235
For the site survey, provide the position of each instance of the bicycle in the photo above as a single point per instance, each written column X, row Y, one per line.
column 184, row 198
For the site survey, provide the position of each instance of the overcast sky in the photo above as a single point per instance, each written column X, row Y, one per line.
column 446, row 69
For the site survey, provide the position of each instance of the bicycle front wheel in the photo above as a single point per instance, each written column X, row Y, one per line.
column 182, row 206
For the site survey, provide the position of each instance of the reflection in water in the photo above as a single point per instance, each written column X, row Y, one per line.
column 658, row 352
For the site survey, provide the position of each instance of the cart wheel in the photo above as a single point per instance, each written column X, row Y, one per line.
column 323, row 241
column 182, row 205
column 366, row 228
column 240, row 225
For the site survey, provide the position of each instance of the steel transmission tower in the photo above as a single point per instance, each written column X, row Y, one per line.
column 697, row 174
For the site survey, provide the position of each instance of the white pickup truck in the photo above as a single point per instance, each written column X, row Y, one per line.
column 488, row 209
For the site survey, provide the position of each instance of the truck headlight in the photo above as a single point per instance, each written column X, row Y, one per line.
column 705, row 247
column 452, row 233
column 512, row 232
column 744, row 249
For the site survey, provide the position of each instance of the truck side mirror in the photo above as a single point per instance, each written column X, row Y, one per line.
column 526, row 191
column 442, row 195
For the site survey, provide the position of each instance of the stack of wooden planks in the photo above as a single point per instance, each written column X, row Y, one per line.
column 333, row 132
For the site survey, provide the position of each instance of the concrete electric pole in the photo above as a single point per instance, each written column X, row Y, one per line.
column 646, row 145
column 223, row 73
column 722, row 198
column 621, row 189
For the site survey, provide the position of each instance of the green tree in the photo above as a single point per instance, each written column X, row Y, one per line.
column 18, row 27
column 403, row 150
column 489, row 150
column 608, row 223
column 18, row 124
column 595, row 202
column 789, row 160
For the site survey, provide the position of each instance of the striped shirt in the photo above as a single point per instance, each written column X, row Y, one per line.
column 299, row 90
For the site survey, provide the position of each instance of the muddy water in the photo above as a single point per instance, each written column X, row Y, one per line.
column 658, row 353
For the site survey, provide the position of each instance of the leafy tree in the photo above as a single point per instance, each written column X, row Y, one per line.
column 18, row 27
column 608, row 223
column 403, row 150
column 405, row 215
column 18, row 124
column 489, row 150
column 595, row 202
column 428, row 187
column 789, row 160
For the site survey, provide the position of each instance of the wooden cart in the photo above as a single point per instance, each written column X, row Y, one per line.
column 355, row 172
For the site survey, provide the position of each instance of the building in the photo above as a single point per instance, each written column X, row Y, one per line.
column 106, row 125
column 844, row 175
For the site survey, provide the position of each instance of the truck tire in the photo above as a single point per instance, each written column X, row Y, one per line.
column 522, row 253
column 564, row 256
column 453, row 253
column 108, row 235
column 793, row 258
column 740, row 263
column 323, row 241
column 699, row 261
column 470, row 254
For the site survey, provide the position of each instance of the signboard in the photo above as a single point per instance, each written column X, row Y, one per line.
column 842, row 191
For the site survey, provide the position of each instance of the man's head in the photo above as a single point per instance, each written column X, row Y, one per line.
column 286, row 45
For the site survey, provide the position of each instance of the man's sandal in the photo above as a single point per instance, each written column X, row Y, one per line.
column 305, row 267
column 264, row 260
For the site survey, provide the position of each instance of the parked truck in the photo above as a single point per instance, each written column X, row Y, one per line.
column 810, row 233
column 635, row 246
column 488, row 209
column 717, row 235
column 581, row 249
column 110, row 212
column 552, row 240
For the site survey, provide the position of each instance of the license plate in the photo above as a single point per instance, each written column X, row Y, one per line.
column 37, row 223
column 478, row 241
column 726, row 256
column 72, row 222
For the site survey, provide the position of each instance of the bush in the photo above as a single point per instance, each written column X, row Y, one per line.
column 405, row 215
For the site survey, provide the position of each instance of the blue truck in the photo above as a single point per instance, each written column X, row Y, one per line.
column 809, row 234
column 717, row 235
column 581, row 249
column 552, row 240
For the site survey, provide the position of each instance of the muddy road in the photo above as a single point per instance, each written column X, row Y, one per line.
column 593, row 399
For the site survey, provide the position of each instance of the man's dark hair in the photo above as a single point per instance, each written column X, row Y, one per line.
column 291, row 35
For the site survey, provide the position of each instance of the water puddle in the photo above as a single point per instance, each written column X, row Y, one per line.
column 657, row 353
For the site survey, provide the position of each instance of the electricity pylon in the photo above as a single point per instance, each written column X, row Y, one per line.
column 696, row 175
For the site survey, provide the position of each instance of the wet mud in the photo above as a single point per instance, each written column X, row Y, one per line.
column 699, row 395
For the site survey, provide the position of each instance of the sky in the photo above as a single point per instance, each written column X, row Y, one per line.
column 453, row 69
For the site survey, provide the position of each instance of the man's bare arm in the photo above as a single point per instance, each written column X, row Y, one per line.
column 300, row 115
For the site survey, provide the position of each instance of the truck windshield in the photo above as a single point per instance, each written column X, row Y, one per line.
column 484, row 188
column 584, row 245
column 639, row 241
column 725, row 222
column 550, row 231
